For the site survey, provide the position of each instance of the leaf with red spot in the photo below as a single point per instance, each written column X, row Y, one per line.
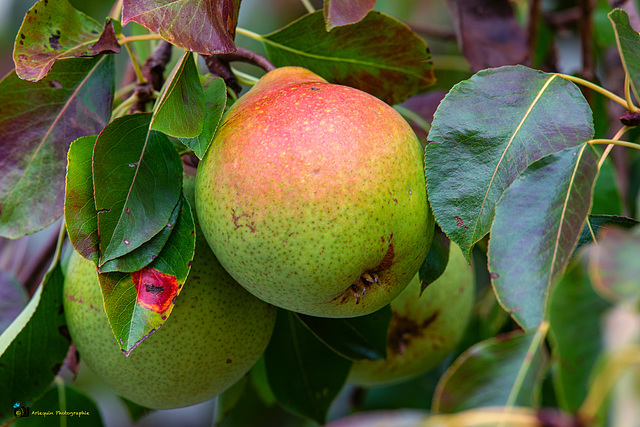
column 138, row 303
column 399, row 66
column 56, row 30
column 137, row 178
column 203, row 26
column 38, row 121
column 344, row 12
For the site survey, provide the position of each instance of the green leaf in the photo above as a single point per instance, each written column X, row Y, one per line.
column 34, row 346
column 437, row 259
column 228, row 399
column 607, row 199
column 81, row 409
column 344, row 12
column 137, row 176
column 13, row 298
column 503, row 371
column 575, row 331
column 304, row 375
column 486, row 132
column 215, row 98
column 596, row 222
column 145, row 253
column 179, row 111
column 38, row 121
column 355, row 338
column 537, row 225
column 397, row 68
column 80, row 213
column 138, row 303
column 203, row 26
column 53, row 30
column 613, row 264
column 628, row 41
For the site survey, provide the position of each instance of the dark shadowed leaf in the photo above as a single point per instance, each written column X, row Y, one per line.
column 228, row 399
column 575, row 331
column 613, row 264
column 537, row 225
column 384, row 418
column 344, row 12
column 203, row 26
column 138, row 303
column 356, row 338
column 179, row 111
column 54, row 30
column 503, row 371
column 145, row 253
column 488, row 33
column 38, row 121
column 304, row 374
column 63, row 398
column 34, row 346
column 397, row 68
column 13, row 298
column 628, row 41
column 79, row 207
column 596, row 222
column 215, row 100
column 137, row 177
column 437, row 259
column 486, row 132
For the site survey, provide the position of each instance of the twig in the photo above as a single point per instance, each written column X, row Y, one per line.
column 436, row 33
column 219, row 65
column 584, row 24
column 153, row 70
column 532, row 28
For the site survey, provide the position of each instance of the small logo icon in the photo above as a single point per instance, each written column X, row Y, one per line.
column 20, row 411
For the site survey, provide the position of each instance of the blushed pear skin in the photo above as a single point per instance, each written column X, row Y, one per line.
column 313, row 196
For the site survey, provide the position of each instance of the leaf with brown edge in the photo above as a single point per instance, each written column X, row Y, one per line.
column 203, row 26
column 399, row 66
column 138, row 303
column 344, row 12
column 56, row 30
column 38, row 121
column 79, row 206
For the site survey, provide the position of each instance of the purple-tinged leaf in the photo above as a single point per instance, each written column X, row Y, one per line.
column 203, row 26
column 344, row 12
column 502, row 371
column 138, row 303
column 576, row 334
column 596, row 222
column 486, row 132
column 481, row 28
column 179, row 111
column 79, row 206
column 137, row 178
column 54, row 30
column 628, row 41
column 38, row 121
column 537, row 225
column 13, row 298
column 613, row 264
column 215, row 98
column 399, row 66
column 34, row 346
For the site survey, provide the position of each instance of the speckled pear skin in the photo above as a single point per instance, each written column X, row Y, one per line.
column 310, row 192
column 425, row 329
column 214, row 335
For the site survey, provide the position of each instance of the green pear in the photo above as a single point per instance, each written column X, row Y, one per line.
column 214, row 335
column 424, row 328
column 313, row 197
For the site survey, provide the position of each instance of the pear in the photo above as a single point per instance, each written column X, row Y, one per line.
column 214, row 335
column 424, row 328
column 312, row 196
